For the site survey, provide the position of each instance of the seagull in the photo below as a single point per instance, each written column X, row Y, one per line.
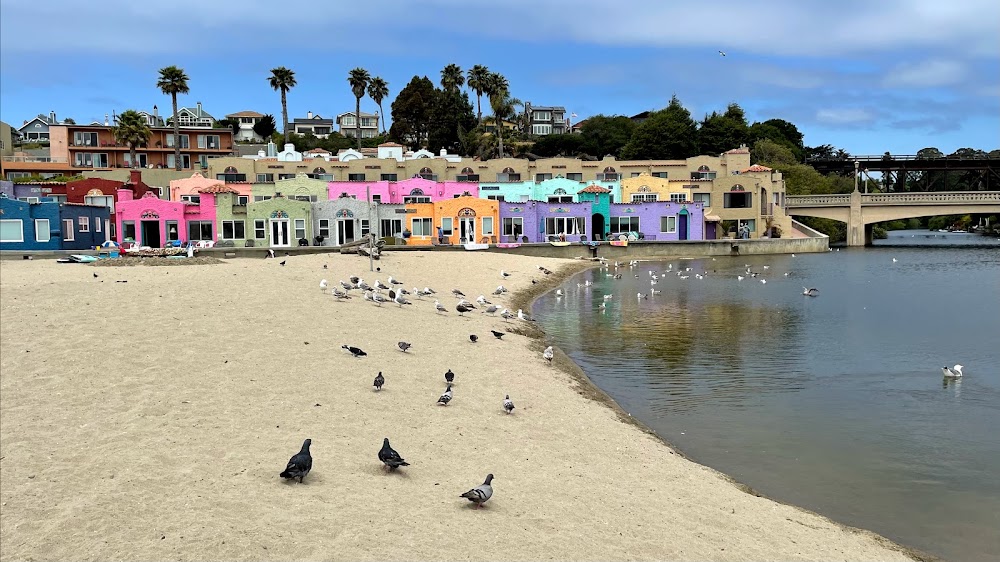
column 498, row 335
column 491, row 309
column 300, row 464
column 603, row 306
column 655, row 291
column 379, row 381
column 608, row 297
column 379, row 299
column 763, row 281
column 354, row 350
column 639, row 296
column 389, row 457
column 740, row 278
column 482, row 300
column 394, row 281
column 522, row 316
column 347, row 286
column 473, row 338
column 340, row 294
column 463, row 308
column 559, row 292
column 508, row 404
column 403, row 346
column 894, row 260
column 457, row 293
column 380, row 285
column 449, row 377
column 507, row 315
column 322, row 284
column 481, row 493
column 722, row 53
column 439, row 307
column 547, row 354
column 418, row 292
column 504, row 274
column 500, row 290
column 428, row 291
column 363, row 286
column 952, row 373
column 355, row 279
column 400, row 300
column 810, row 292
column 446, row 397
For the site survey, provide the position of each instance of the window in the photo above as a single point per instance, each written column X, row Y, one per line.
column 28, row 199
column 609, row 175
column 11, row 230
column 541, row 129
column 196, row 199
column 388, row 177
column 737, row 200
column 68, row 234
column 84, row 139
column 660, row 175
column 566, row 225
column 377, row 198
column 229, row 178
column 310, row 198
column 541, row 116
column 543, row 177
column 467, row 177
column 703, row 198
column 259, row 229
column 347, row 121
column 703, row 173
column 678, row 197
column 750, row 224
column 243, row 200
column 84, row 223
column 416, row 199
column 634, row 174
column 208, row 141
column 668, row 224
column 644, row 197
column 324, row 228
column 513, row 226
column 428, row 174
column 233, row 230
column 574, row 176
column 300, row 228
column 200, row 230
column 488, row 226
column 365, row 227
column 142, row 160
column 624, row 224
column 390, row 227
column 355, row 177
column 421, row 227
column 560, row 198
column 259, row 198
column 128, row 230
column 185, row 161
column 265, row 178
column 97, row 225
column 495, row 197
column 91, row 160
column 508, row 175
column 185, row 142
column 446, row 226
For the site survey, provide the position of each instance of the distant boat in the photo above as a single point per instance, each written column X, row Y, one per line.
column 560, row 243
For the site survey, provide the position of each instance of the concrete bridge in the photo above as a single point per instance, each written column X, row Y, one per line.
column 861, row 210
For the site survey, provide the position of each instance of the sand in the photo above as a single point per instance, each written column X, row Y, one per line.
column 149, row 420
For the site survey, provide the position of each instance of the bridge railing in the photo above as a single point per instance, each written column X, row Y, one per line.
column 836, row 200
column 882, row 157
column 936, row 198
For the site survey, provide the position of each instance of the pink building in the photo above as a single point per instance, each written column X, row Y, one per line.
column 151, row 221
column 188, row 189
column 413, row 190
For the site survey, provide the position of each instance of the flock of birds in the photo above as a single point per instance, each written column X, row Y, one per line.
column 393, row 291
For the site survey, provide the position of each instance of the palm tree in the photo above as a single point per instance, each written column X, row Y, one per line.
column 478, row 76
column 358, row 79
column 173, row 81
column 282, row 80
column 378, row 90
column 502, row 104
column 452, row 78
column 132, row 131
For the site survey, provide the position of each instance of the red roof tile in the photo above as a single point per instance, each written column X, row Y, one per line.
column 757, row 168
column 594, row 188
column 219, row 188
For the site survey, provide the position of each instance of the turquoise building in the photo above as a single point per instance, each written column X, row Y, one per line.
column 555, row 190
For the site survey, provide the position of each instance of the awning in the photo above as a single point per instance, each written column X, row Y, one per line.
column 713, row 218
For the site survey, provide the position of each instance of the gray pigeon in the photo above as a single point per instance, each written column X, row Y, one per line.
column 379, row 381
column 508, row 404
column 300, row 464
column 389, row 457
column 403, row 346
column 446, row 397
column 481, row 493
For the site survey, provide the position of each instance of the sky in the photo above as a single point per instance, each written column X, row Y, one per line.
column 866, row 76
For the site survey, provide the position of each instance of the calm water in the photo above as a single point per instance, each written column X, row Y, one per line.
column 835, row 403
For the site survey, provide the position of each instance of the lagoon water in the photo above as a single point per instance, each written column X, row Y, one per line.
column 835, row 403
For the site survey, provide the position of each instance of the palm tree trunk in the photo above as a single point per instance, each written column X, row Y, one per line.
column 357, row 121
column 498, row 123
column 381, row 115
column 177, row 135
column 284, row 118
column 479, row 107
column 131, row 151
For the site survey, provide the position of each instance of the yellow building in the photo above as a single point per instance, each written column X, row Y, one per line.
column 645, row 187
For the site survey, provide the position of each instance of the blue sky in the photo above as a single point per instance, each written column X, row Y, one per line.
column 896, row 75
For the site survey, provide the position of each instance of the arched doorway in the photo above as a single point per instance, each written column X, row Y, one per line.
column 682, row 228
column 597, row 224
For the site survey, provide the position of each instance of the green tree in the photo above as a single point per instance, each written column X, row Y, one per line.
column 450, row 118
column 603, row 135
column 568, row 144
column 452, row 78
column 479, row 76
column 773, row 154
column 131, row 130
column 173, row 81
column 502, row 104
column 378, row 90
column 725, row 131
column 265, row 126
column 281, row 80
column 669, row 134
column 411, row 112
column 231, row 124
column 69, row 121
column 358, row 78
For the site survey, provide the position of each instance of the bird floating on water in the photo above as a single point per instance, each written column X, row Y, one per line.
column 952, row 373
column 559, row 292
column 480, row 494
column 300, row 464
column 810, row 291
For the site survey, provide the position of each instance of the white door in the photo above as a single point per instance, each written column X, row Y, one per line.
column 345, row 231
column 467, row 230
column 279, row 233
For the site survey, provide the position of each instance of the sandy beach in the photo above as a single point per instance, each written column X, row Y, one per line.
column 149, row 420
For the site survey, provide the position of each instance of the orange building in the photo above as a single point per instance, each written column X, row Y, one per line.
column 461, row 220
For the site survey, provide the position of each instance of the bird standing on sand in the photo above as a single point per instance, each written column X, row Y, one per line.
column 458, row 293
column 400, row 300
column 95, row 275
column 952, row 373
column 547, row 354
column 403, row 346
column 438, row 307
column 507, row 315
column 473, row 338
column 491, row 309
column 354, row 350
column 522, row 316
column 282, row 263
column 300, row 464
column 380, row 285
column 394, row 281
column 446, row 397
column 389, row 457
column 340, row 295
column 463, row 308
column 482, row 300
column 449, row 377
column 322, row 284
column 508, row 404
column 498, row 335
column 481, row 493
column 504, row 274
column 379, row 381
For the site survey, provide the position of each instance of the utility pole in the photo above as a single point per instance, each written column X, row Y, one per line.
column 856, row 178
column 371, row 238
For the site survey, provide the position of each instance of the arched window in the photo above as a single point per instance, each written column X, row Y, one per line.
column 609, row 170
column 417, row 191
column 319, row 170
column 559, row 191
column 508, row 170
column 737, row 187
column 231, row 170
column 467, row 171
column 703, row 168
column 425, row 171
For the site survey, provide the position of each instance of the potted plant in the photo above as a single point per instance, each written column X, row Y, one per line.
column 728, row 229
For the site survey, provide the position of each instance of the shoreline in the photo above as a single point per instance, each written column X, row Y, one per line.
column 104, row 444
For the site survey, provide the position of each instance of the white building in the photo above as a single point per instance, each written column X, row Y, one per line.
column 247, row 120
column 347, row 126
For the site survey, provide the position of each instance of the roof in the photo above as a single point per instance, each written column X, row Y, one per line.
column 757, row 168
column 218, row 188
column 548, row 108
column 196, row 111
column 363, row 114
column 740, row 150
column 391, row 144
column 594, row 188
column 317, row 150
column 245, row 114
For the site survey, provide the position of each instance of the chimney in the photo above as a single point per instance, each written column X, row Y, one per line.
column 105, row 119
column 309, row 115
column 156, row 112
column 272, row 149
column 52, row 117
column 135, row 177
column 199, row 109
column 125, row 194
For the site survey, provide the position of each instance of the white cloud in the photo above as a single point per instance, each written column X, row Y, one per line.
column 926, row 74
column 844, row 116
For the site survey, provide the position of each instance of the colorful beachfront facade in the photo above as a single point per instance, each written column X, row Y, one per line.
column 52, row 225
column 412, row 190
column 154, row 222
column 189, row 189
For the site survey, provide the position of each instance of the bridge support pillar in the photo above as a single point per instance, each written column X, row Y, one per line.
column 857, row 233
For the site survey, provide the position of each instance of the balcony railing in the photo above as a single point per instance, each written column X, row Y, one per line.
column 58, row 160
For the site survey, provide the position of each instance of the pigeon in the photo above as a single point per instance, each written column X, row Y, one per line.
column 504, row 274
column 446, row 397
column 354, row 351
column 282, row 263
column 463, row 308
column 473, row 338
column 508, row 404
column 547, row 354
column 300, row 464
column 95, row 275
column 457, row 293
column 379, row 381
column 449, row 377
column 322, row 284
column 324, row 266
column 403, row 346
column 389, row 457
column 491, row 309
column 439, row 307
column 498, row 335
column 481, row 493
column 810, row 292
column 952, row 373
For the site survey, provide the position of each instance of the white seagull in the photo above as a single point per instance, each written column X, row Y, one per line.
column 810, row 292
column 322, row 284
column 522, row 316
column 722, row 53
column 559, row 292
column 439, row 307
column 547, row 354
column 952, row 373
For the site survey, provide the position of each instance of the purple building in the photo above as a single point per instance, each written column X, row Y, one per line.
column 538, row 221
column 658, row 220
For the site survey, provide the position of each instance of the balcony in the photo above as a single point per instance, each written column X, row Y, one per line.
column 231, row 178
column 34, row 159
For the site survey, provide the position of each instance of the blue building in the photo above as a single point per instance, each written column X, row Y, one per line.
column 50, row 225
